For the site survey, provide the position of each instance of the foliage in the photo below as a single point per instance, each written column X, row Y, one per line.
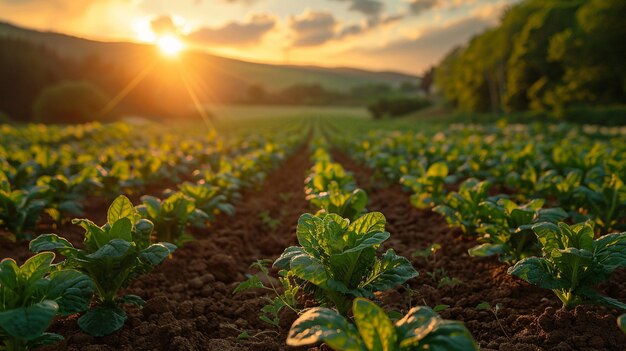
column 465, row 208
column 337, row 259
column 32, row 295
column 113, row 255
column 20, row 209
column 419, row 329
column 70, row 102
column 397, row 107
column 544, row 56
column 507, row 229
column 429, row 187
column 172, row 216
column 573, row 263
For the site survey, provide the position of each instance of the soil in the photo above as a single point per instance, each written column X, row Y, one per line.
column 190, row 305
column 530, row 318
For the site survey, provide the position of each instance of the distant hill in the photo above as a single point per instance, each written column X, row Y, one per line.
column 272, row 77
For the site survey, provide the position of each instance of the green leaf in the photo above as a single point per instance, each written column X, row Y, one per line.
column 121, row 207
column 49, row 242
column 377, row 331
column 72, row 290
column 310, row 269
column 390, row 271
column 450, row 336
column 45, row 339
column 114, row 249
column 486, row 250
column 36, row 267
column 131, row 299
column 101, row 320
column 416, row 325
column 154, row 254
column 253, row 282
column 537, row 271
column 121, row 229
column 28, row 323
column 621, row 322
column 368, row 223
column 325, row 325
column 594, row 296
column 284, row 261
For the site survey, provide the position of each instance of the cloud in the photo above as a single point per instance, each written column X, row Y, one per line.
column 372, row 8
column 417, row 7
column 419, row 53
column 163, row 25
column 235, row 33
column 316, row 28
column 312, row 28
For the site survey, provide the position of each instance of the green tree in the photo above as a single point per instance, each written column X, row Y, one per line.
column 70, row 102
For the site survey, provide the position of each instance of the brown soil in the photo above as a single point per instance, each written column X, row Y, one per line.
column 530, row 318
column 189, row 300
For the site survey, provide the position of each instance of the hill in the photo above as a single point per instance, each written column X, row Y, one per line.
column 272, row 77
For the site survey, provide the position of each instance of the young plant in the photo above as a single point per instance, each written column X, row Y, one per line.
column 32, row 295
column 429, row 188
column 287, row 298
column 464, row 209
column 113, row 255
column 172, row 216
column 65, row 195
column 495, row 309
column 572, row 263
column 507, row 229
column 420, row 329
column 347, row 204
column 621, row 322
column 271, row 223
column 207, row 198
column 20, row 209
column 337, row 259
column 606, row 203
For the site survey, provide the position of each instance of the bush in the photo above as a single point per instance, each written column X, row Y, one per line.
column 70, row 102
column 397, row 106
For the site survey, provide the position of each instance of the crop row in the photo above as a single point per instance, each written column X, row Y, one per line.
column 133, row 240
column 493, row 185
column 337, row 267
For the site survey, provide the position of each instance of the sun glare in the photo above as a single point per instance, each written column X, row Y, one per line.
column 170, row 45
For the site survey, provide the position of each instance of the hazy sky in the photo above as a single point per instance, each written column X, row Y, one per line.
column 405, row 35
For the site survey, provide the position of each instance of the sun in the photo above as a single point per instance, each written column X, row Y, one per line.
column 170, row 45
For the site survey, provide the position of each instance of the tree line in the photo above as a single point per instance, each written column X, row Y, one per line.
column 545, row 56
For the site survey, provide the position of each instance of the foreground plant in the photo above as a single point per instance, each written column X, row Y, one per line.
column 573, row 263
column 621, row 322
column 337, row 259
column 507, row 229
column 420, row 329
column 113, row 255
column 32, row 295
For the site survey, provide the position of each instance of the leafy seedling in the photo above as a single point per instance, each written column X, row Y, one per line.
column 487, row 306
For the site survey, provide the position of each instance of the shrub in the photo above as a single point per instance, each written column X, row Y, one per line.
column 69, row 102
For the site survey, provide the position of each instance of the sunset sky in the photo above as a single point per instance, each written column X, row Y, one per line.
column 403, row 35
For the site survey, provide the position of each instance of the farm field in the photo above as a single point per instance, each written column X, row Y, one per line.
column 280, row 233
